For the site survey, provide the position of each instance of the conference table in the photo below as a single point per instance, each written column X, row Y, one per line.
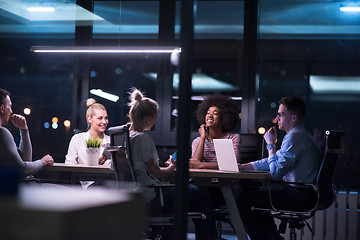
column 201, row 177
column 73, row 173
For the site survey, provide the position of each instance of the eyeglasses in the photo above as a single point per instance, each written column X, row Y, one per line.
column 281, row 115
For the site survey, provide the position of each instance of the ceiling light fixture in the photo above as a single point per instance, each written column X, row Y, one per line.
column 106, row 49
column 199, row 83
column 101, row 93
column 40, row 9
column 335, row 84
column 201, row 98
column 350, row 7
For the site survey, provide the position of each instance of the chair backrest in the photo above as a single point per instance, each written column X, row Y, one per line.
column 121, row 154
column 324, row 181
column 76, row 131
column 251, row 147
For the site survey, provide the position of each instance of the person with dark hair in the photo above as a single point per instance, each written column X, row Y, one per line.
column 218, row 116
column 143, row 115
column 297, row 160
column 97, row 121
column 10, row 155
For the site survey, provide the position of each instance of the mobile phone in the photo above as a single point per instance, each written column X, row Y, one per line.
column 207, row 130
column 174, row 158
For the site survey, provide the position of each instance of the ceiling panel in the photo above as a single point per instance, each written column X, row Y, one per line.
column 214, row 19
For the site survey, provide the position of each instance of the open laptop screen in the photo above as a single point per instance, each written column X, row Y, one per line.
column 225, row 155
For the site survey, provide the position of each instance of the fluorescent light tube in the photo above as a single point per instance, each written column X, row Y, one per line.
column 200, row 82
column 200, row 98
column 108, row 96
column 40, row 9
column 335, row 84
column 350, row 7
column 106, row 49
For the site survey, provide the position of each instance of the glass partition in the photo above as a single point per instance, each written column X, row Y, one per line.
column 304, row 47
column 312, row 56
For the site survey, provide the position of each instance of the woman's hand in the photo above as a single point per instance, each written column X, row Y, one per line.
column 195, row 164
column 102, row 159
column 171, row 164
column 203, row 131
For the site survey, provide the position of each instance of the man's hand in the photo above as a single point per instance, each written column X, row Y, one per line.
column 48, row 160
column 271, row 135
column 245, row 166
column 19, row 121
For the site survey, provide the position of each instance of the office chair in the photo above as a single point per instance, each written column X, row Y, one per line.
column 158, row 224
column 323, row 186
column 252, row 147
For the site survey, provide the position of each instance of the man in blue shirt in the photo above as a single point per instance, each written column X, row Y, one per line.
column 297, row 160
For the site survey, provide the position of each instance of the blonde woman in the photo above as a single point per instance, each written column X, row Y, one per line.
column 143, row 114
column 97, row 120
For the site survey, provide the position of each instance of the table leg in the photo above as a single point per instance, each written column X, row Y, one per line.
column 234, row 212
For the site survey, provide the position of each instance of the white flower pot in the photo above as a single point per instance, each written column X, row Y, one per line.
column 93, row 156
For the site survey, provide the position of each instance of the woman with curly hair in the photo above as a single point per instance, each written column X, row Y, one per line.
column 217, row 115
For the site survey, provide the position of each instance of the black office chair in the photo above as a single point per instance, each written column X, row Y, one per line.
column 252, row 147
column 159, row 224
column 323, row 186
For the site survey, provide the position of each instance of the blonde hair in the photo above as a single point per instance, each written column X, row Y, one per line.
column 141, row 107
column 92, row 106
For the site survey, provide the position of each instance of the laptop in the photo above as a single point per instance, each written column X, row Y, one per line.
column 225, row 155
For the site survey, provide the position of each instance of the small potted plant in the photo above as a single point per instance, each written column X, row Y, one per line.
column 93, row 149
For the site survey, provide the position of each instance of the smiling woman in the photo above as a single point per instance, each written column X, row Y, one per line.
column 217, row 115
column 97, row 120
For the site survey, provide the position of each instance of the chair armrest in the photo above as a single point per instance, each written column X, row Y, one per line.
column 293, row 184
column 114, row 148
column 166, row 184
column 31, row 179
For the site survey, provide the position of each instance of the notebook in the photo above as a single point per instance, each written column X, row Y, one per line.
column 225, row 155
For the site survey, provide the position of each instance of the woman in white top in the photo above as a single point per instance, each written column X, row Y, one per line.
column 143, row 115
column 97, row 120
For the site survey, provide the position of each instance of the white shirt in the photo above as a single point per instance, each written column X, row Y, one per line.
column 77, row 152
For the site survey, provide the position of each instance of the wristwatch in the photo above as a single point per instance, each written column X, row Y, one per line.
column 270, row 146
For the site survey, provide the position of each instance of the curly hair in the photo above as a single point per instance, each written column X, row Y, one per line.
column 227, row 106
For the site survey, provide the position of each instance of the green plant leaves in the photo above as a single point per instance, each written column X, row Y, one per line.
column 93, row 143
